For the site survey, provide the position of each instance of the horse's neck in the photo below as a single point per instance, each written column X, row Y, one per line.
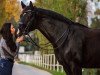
column 52, row 29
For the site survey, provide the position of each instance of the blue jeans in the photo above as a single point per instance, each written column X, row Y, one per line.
column 5, row 67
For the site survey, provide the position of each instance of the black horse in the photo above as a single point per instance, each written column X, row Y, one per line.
column 76, row 46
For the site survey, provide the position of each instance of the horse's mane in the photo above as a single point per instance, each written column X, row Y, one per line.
column 54, row 15
column 58, row 16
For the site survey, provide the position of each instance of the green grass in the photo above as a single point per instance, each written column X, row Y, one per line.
column 51, row 71
column 57, row 73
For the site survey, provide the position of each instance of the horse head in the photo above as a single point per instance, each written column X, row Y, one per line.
column 27, row 19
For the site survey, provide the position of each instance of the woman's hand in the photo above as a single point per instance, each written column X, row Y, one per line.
column 20, row 39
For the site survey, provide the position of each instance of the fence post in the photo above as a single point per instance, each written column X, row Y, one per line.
column 47, row 61
column 54, row 62
column 57, row 66
column 62, row 69
column 51, row 62
column 43, row 61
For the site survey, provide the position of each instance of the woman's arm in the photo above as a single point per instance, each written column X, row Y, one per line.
column 18, row 40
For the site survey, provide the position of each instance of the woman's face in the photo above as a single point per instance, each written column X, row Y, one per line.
column 12, row 29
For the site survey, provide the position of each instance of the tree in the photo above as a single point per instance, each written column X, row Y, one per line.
column 96, row 20
column 12, row 10
column 96, row 23
column 9, row 11
column 2, row 14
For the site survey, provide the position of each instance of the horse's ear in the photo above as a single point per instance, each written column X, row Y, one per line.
column 23, row 5
column 31, row 4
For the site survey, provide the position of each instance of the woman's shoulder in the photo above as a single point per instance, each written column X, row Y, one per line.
column 2, row 40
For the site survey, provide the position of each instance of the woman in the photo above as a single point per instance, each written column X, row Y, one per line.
column 8, row 48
